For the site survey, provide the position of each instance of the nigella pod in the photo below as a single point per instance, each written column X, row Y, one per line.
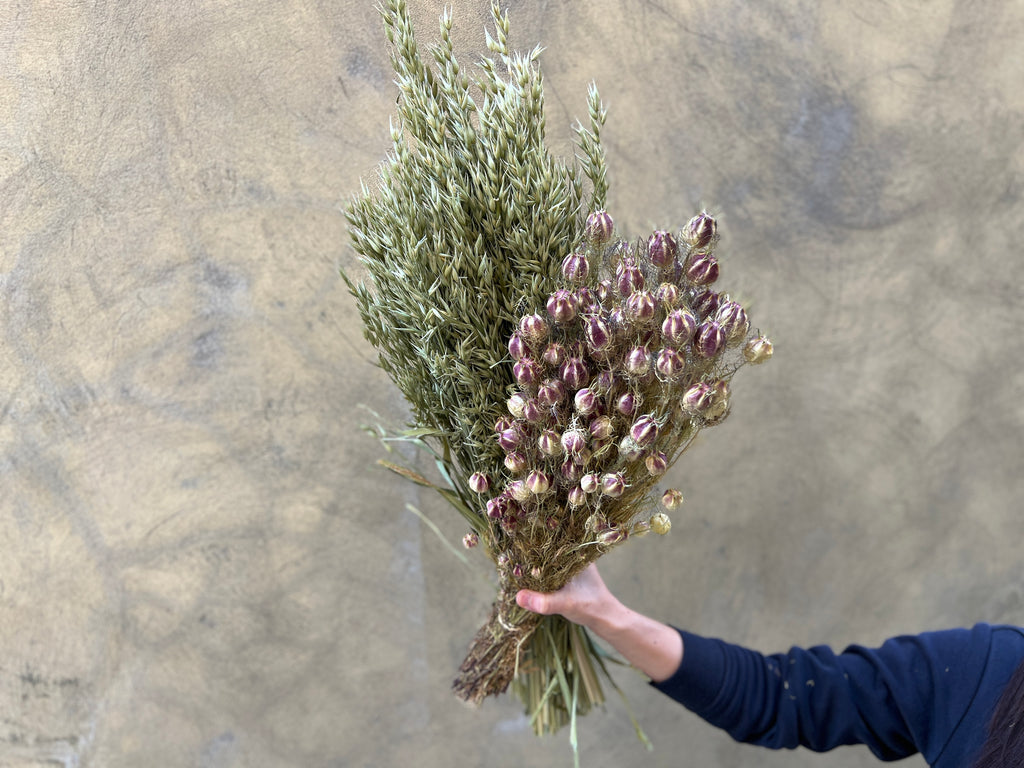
column 503, row 423
column 661, row 249
column 671, row 499
column 706, row 303
column 574, row 373
column 509, row 439
column 611, row 536
column 497, row 507
column 516, row 403
column 719, row 406
column 667, row 294
column 657, row 464
column 660, row 523
column 604, row 382
column 517, row 346
column 697, row 398
column 679, row 326
column 670, row 363
column 527, row 371
column 576, row 268
column 613, row 484
column 569, row 471
column 562, row 306
column 518, row 571
column 709, row 340
column 574, row 441
column 590, row 482
column 641, row 307
column 733, row 319
column 599, row 227
column 700, row 230
column 701, row 268
column 549, row 443
column 601, row 428
column 629, row 450
column 533, row 411
column 515, row 462
column 638, row 361
column 587, row 301
column 599, row 335
column 554, row 354
column 479, row 482
column 470, row 540
column 519, row 490
column 605, row 292
column 576, row 497
column 582, row 457
column 628, row 278
column 625, row 404
column 644, row 430
column 585, row 402
column 550, row 392
column 758, row 350
column 533, row 328
column 538, row 482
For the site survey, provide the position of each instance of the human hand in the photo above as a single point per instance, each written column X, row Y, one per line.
column 585, row 600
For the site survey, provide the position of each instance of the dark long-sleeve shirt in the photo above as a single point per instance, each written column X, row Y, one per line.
column 931, row 693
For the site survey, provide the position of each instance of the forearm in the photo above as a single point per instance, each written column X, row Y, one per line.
column 654, row 648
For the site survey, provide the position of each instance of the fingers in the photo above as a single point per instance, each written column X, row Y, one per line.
column 538, row 602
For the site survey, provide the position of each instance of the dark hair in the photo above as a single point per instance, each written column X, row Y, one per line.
column 1004, row 744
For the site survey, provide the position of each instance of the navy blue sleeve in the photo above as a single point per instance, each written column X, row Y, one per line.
column 905, row 697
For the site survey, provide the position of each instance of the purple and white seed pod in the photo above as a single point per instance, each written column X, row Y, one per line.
column 612, row 536
column 509, row 439
column 613, row 484
column 697, row 398
column 574, row 441
column 719, row 407
column 516, row 403
column 626, row 403
column 701, row 268
column 576, row 268
column 641, row 307
column 599, row 335
column 497, row 507
column 479, row 482
column 554, row 354
column 533, row 328
column 628, row 278
column 562, row 306
column 550, row 392
column 671, row 499
column 582, row 457
column 527, row 371
column 569, row 471
column 538, row 482
column 574, row 373
column 471, row 539
column 604, row 382
column 585, row 401
column 549, row 443
column 709, row 340
column 599, row 227
column 517, row 347
column 670, row 363
column 667, row 295
column 644, row 431
column 519, row 490
column 661, row 249
column 638, row 361
column 605, row 292
column 601, row 428
column 629, row 450
column 534, row 412
column 590, row 482
column 515, row 462
column 733, row 319
column 518, row 571
column 576, row 497
column 700, row 230
column 552, row 523
column 758, row 350
column 706, row 303
column 657, row 464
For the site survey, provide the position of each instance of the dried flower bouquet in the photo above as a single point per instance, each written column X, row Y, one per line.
column 554, row 371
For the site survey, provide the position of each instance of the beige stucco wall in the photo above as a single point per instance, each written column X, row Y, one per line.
column 199, row 563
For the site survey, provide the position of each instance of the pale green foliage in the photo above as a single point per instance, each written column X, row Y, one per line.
column 467, row 226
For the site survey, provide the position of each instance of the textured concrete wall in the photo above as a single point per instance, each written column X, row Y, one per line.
column 199, row 564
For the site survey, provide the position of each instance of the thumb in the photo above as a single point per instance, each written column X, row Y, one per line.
column 533, row 601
